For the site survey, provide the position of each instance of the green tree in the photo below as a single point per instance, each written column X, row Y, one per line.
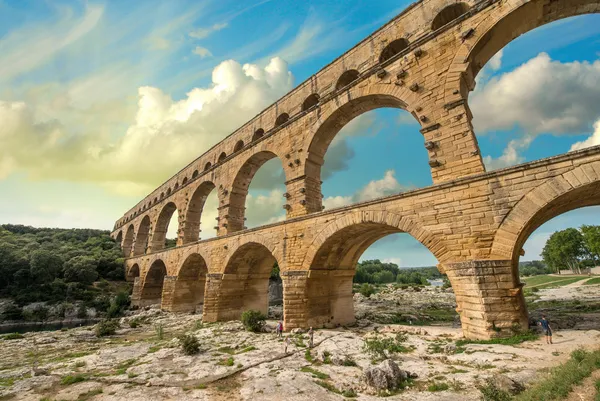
column 81, row 269
column 45, row 266
column 591, row 239
column 564, row 249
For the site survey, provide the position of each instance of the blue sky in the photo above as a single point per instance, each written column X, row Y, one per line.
column 85, row 85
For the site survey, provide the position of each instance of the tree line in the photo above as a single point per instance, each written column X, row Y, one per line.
column 573, row 249
column 378, row 272
column 55, row 265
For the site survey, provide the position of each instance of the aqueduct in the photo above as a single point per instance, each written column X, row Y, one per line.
column 425, row 61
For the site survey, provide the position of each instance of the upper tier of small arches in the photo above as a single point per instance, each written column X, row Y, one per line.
column 303, row 99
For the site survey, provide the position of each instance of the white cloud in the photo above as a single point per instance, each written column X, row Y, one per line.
column 496, row 62
column 202, row 33
column 202, row 52
column 540, row 96
column 593, row 140
column 165, row 134
column 510, row 155
column 396, row 261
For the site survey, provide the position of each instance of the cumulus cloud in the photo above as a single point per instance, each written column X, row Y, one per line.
column 164, row 135
column 540, row 96
column 593, row 140
column 388, row 185
column 510, row 156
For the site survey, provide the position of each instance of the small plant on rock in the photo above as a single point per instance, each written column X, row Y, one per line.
column 253, row 320
column 366, row 290
column 189, row 344
column 106, row 327
column 159, row 330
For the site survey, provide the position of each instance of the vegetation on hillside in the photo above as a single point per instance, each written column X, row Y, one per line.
column 378, row 272
column 57, row 265
column 573, row 249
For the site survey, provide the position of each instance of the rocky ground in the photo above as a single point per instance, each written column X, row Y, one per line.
column 141, row 364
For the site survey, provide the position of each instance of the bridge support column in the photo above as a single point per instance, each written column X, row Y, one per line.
column 229, row 295
column 181, row 295
column 303, row 196
column 318, row 298
column 489, row 298
column 136, row 293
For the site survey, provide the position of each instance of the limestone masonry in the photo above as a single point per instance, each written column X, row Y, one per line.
column 424, row 61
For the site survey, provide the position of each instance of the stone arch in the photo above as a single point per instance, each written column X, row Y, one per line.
column 133, row 272
column 159, row 233
column 392, row 49
column 119, row 238
column 193, row 214
column 346, row 79
column 152, row 284
column 574, row 189
column 186, row 292
column 448, row 14
column 128, row 240
column 334, row 253
column 222, row 157
column 184, row 181
column 239, row 190
column 207, row 166
column 282, row 119
column 244, row 284
column 329, row 125
column 142, row 236
column 194, row 174
column 310, row 101
column 258, row 134
column 239, row 145
column 495, row 32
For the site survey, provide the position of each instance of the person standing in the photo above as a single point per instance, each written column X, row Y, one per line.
column 280, row 329
column 286, row 343
column 547, row 329
column 310, row 338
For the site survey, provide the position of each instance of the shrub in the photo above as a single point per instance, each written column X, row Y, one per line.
column 82, row 311
column 490, row 392
column 438, row 387
column 366, row 290
column 118, row 305
column 69, row 379
column 189, row 344
column 106, row 327
column 159, row 330
column 12, row 312
column 253, row 320
column 380, row 347
column 13, row 336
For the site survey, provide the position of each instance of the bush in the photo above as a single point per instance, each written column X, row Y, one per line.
column 253, row 320
column 379, row 347
column 189, row 344
column 490, row 392
column 13, row 336
column 159, row 330
column 106, row 327
column 69, row 379
column 366, row 290
column 118, row 305
column 82, row 311
column 12, row 312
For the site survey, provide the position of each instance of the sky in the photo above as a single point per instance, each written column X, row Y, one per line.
column 100, row 102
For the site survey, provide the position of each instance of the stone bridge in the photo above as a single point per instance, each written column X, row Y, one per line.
column 425, row 61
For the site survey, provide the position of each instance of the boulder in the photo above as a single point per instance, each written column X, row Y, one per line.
column 507, row 384
column 385, row 376
column 450, row 349
column 297, row 330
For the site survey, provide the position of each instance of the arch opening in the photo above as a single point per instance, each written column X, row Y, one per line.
column 195, row 207
column 128, row 240
column 142, row 237
column 168, row 217
column 195, row 174
column 448, row 14
column 238, row 146
column 310, row 102
column 188, row 294
column 152, row 287
column 245, row 284
column 364, row 253
column 119, row 238
column 207, row 166
column 346, row 79
column 362, row 151
column 392, row 49
column 255, row 192
column 133, row 272
column 258, row 134
column 282, row 119
column 222, row 157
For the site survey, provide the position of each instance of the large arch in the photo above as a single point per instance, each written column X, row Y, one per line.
column 239, row 190
column 186, row 292
column 128, row 240
column 159, row 234
column 495, row 32
column 334, row 253
column 325, row 131
column 142, row 236
column 243, row 286
column 577, row 188
column 152, row 284
column 191, row 229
